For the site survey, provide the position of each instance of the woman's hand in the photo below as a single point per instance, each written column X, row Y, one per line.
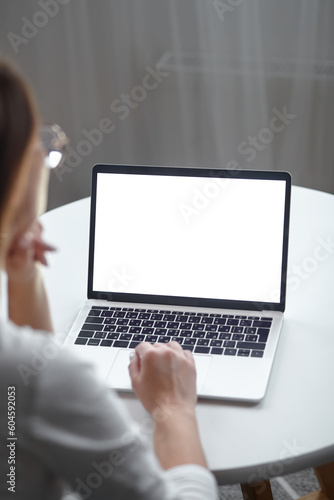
column 26, row 249
column 164, row 377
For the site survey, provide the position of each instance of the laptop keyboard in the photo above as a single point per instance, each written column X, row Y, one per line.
column 204, row 333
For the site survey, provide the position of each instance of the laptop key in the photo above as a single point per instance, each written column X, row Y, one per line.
column 160, row 331
column 202, row 350
column 216, row 350
column 119, row 314
column 230, row 352
column 109, row 328
column 198, row 326
column 219, row 321
column 211, row 328
column 185, row 326
column 232, row 322
column 147, row 323
column 91, row 326
column 125, row 336
column 237, row 336
column 250, row 330
column 169, row 317
column 225, row 329
column 122, row 329
column 207, row 320
column 262, row 324
column 198, row 335
column 112, row 336
column 157, row 316
column 225, row 336
column 133, row 345
column 160, row 324
column 147, row 331
column 94, row 312
column 121, row 343
column 216, row 343
column 94, row 342
column 122, row 321
column 237, row 329
column 211, row 335
column 151, row 338
column 131, row 315
column 172, row 324
column 182, row 318
column 173, row 332
column 186, row 333
column 229, row 343
column 263, row 334
column 134, row 322
column 251, row 338
column 187, row 347
column 164, row 340
column 107, row 314
column 100, row 335
column 81, row 341
column 204, row 342
column 251, row 345
column 138, row 338
column 135, row 329
column 178, row 339
column 85, row 334
column 257, row 354
column 106, row 343
column 194, row 319
column 189, row 341
column 244, row 352
column 110, row 321
column 246, row 322
column 144, row 316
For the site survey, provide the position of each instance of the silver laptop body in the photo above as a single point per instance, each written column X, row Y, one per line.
column 188, row 254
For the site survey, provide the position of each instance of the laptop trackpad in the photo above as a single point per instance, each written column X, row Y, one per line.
column 119, row 377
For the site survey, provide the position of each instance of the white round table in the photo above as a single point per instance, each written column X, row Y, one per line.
column 293, row 427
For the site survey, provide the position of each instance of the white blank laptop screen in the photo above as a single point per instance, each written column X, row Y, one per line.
column 189, row 236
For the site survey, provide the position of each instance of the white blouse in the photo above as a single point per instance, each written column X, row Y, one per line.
column 62, row 428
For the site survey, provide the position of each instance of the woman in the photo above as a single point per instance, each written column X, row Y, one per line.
column 66, row 429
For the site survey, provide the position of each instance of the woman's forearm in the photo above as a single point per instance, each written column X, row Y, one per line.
column 28, row 302
column 177, row 441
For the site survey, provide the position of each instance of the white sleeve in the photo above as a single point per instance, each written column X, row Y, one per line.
column 193, row 482
column 81, row 429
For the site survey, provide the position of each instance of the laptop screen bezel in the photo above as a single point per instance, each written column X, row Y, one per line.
column 210, row 173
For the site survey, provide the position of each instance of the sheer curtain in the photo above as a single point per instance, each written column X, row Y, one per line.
column 223, row 83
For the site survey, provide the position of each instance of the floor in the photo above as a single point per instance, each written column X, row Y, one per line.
column 289, row 487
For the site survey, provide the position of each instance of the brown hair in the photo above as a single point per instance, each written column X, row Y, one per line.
column 18, row 121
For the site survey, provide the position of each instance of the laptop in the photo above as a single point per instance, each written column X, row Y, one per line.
column 194, row 255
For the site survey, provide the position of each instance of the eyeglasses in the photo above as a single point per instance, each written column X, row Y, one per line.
column 54, row 142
